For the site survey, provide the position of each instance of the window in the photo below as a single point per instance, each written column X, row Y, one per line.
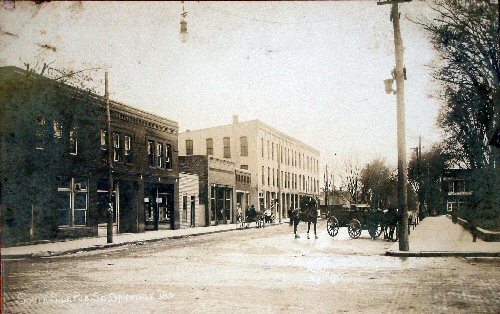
column 268, row 176
column 57, row 130
column 244, row 167
column 160, row 154
column 73, row 142
column 151, row 153
column 272, row 150
column 184, row 208
column 210, row 146
column 268, row 149
column 117, row 149
column 168, row 161
column 227, row 147
column 40, row 133
column 189, row 147
column 262, row 172
column 127, row 146
column 244, row 146
column 262, row 146
column 72, row 202
column 104, row 144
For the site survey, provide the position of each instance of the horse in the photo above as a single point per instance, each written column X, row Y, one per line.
column 390, row 223
column 252, row 215
column 307, row 212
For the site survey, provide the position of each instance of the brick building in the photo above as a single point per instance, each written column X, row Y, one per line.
column 53, row 162
column 220, row 187
column 282, row 169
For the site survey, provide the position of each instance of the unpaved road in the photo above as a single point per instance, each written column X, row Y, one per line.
column 252, row 271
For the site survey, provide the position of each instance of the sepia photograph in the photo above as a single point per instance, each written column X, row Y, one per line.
column 250, row 156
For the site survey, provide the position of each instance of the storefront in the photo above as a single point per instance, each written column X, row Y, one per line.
column 221, row 209
column 158, row 206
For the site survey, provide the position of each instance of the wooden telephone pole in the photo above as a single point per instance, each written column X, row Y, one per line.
column 109, row 213
column 399, row 76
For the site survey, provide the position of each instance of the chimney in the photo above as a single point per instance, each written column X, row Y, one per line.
column 236, row 119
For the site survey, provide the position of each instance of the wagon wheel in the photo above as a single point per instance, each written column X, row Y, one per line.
column 332, row 226
column 375, row 230
column 354, row 229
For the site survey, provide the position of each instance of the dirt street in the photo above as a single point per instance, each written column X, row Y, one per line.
column 252, row 271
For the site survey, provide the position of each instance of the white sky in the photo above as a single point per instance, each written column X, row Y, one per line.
column 313, row 70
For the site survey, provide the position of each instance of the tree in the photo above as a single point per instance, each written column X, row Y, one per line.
column 466, row 35
column 350, row 178
column 424, row 175
column 378, row 185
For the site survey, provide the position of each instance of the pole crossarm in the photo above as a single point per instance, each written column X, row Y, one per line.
column 391, row 2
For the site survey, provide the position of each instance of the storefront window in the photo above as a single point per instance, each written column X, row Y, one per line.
column 72, row 201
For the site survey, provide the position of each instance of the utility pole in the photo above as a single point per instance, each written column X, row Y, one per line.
column 278, row 154
column 420, row 178
column 109, row 213
column 400, row 74
column 327, row 189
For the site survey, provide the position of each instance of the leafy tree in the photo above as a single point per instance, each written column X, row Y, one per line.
column 378, row 185
column 424, row 175
column 466, row 36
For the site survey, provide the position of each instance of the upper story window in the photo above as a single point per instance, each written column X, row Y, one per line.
column 262, row 172
column 127, row 148
column 73, row 141
column 262, row 146
column 244, row 146
column 210, row 146
column 104, row 143
column 168, row 161
column 189, row 147
column 268, row 149
column 151, row 153
column 117, row 148
column 57, row 130
column 40, row 132
column 160, row 155
column 272, row 150
column 227, row 147
column 244, row 167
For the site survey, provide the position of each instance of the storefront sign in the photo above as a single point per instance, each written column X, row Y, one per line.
column 159, row 200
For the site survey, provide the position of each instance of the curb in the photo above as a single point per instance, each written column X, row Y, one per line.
column 39, row 255
column 441, row 254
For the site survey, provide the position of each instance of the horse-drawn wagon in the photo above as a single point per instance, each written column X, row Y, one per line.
column 356, row 218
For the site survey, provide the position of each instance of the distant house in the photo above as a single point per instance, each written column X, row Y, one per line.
column 53, row 169
column 456, row 189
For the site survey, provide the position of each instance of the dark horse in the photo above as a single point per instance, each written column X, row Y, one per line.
column 390, row 223
column 307, row 212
